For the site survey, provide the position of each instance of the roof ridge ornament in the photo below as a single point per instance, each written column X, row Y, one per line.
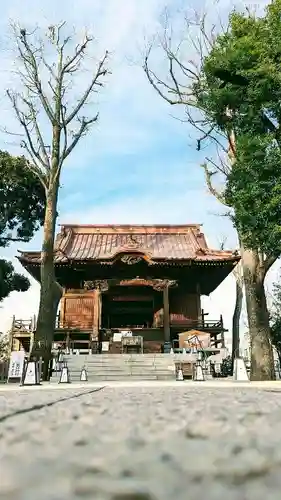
column 101, row 285
column 132, row 243
column 131, row 259
column 159, row 284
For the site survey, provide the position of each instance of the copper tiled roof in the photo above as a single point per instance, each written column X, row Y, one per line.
column 101, row 243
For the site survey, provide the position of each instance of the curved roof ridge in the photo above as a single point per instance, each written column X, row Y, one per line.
column 130, row 228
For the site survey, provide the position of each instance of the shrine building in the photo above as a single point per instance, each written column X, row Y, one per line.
column 142, row 278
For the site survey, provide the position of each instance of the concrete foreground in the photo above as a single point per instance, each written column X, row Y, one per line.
column 141, row 441
column 215, row 383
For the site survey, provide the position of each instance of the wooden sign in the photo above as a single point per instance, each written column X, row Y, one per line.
column 117, row 337
column 16, row 366
column 132, row 340
column 105, row 346
column 126, row 333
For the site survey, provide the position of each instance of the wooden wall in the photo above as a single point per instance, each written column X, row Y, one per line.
column 80, row 309
column 184, row 304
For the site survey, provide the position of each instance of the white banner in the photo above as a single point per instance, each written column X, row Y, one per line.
column 16, row 365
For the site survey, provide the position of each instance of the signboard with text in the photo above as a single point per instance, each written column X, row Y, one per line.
column 16, row 366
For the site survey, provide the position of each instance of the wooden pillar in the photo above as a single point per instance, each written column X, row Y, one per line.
column 11, row 338
column 67, row 342
column 31, row 341
column 97, row 313
column 62, row 309
column 223, row 339
column 166, row 307
column 198, row 299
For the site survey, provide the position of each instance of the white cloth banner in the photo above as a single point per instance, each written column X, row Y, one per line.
column 16, row 364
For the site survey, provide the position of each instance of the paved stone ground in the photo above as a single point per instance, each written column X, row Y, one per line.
column 134, row 443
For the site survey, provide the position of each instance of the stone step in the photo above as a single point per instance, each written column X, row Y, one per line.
column 75, row 377
column 121, row 359
column 102, row 378
column 122, row 372
column 129, row 369
column 119, row 367
column 71, row 363
column 113, row 357
column 97, row 361
column 116, row 367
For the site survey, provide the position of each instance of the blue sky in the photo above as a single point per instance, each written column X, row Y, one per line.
column 139, row 164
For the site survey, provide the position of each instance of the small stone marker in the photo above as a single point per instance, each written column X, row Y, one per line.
column 64, row 376
column 240, row 371
column 31, row 374
column 83, row 375
column 172, row 351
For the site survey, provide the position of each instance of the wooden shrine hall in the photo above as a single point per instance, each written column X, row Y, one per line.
column 144, row 279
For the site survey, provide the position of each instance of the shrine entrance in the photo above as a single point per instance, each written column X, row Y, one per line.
column 130, row 307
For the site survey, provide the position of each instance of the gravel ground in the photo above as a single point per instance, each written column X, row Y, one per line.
column 140, row 444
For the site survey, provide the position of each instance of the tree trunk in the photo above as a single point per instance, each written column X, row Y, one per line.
column 279, row 362
column 236, row 318
column 262, row 363
column 58, row 291
column 49, row 290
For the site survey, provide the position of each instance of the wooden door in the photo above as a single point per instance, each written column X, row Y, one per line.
column 80, row 310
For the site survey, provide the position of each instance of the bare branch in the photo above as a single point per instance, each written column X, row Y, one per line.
column 33, row 81
column 208, row 177
column 34, row 123
column 183, row 76
column 83, row 128
column 48, row 166
column 29, row 146
column 155, row 82
column 78, row 54
column 101, row 71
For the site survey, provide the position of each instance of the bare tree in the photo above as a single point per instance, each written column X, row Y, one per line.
column 52, row 125
column 177, row 86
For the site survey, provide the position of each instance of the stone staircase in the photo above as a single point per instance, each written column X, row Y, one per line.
column 103, row 367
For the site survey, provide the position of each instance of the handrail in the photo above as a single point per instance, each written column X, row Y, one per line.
column 30, row 324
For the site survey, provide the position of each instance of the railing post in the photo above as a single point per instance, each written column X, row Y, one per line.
column 202, row 317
